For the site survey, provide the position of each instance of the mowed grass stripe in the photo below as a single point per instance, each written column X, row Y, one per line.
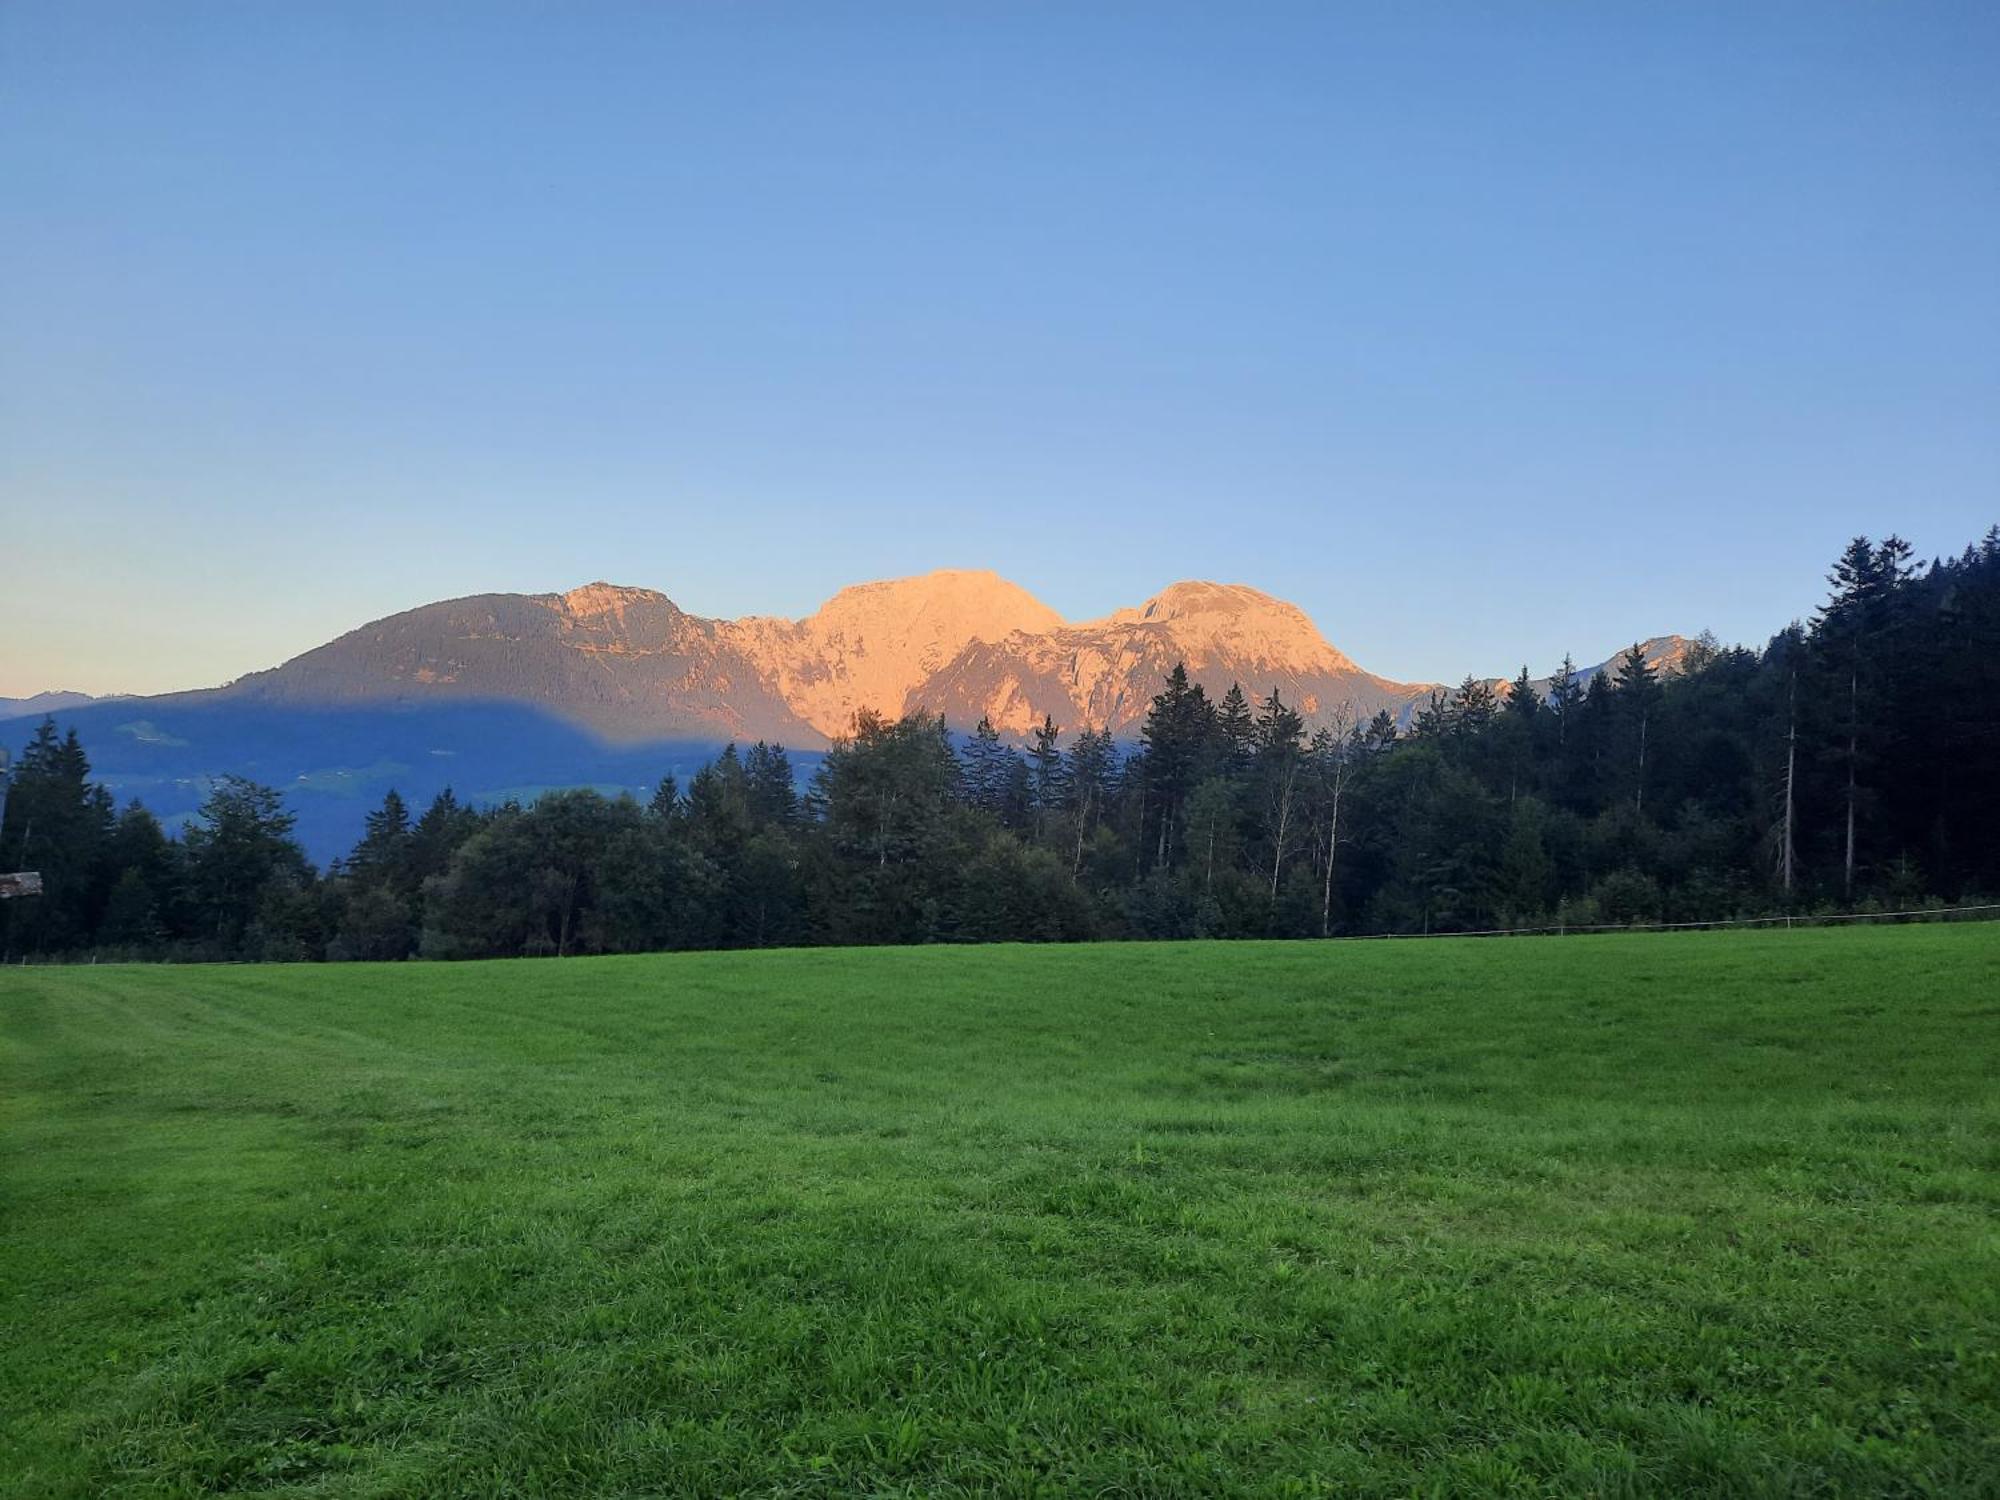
column 1707, row 1213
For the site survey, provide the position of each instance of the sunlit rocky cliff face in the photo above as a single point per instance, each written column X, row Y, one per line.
column 1104, row 673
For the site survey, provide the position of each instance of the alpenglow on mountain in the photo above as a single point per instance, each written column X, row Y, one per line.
column 631, row 665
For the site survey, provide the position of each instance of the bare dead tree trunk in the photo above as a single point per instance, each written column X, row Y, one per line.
column 1787, row 854
column 568, row 907
column 1639, row 791
column 1853, row 751
column 1342, row 728
column 1332, row 843
column 1284, row 821
column 1082, row 822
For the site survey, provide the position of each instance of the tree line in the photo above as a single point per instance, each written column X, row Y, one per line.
column 1852, row 763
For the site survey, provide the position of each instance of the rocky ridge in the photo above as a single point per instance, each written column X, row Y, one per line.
column 631, row 665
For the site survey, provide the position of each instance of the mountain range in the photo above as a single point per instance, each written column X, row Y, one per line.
column 505, row 694
column 631, row 665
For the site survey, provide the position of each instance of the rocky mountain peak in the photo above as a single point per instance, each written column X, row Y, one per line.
column 1212, row 622
column 873, row 644
column 594, row 601
column 949, row 603
column 1195, row 596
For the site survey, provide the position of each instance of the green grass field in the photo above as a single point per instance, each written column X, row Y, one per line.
column 1632, row 1215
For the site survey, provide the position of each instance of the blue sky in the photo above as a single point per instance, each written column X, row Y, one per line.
column 1482, row 332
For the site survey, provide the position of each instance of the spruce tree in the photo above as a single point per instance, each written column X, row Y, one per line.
column 1523, row 702
column 1090, row 774
column 773, row 792
column 1279, row 732
column 985, row 767
column 1437, row 718
column 720, row 818
column 1046, row 774
column 1638, row 692
column 57, row 823
column 1380, row 735
column 439, row 834
column 1847, row 629
column 1178, row 731
column 1565, row 694
column 1517, row 734
column 1235, row 729
column 240, row 850
column 1474, row 706
column 383, row 853
column 666, row 801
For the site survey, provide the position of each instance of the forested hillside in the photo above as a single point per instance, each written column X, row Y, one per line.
column 1853, row 761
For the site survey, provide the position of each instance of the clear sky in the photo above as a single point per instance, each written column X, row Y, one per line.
column 1481, row 331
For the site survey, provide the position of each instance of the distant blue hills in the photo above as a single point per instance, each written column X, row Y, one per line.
column 334, row 764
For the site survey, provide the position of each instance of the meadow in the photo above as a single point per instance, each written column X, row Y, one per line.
column 1631, row 1215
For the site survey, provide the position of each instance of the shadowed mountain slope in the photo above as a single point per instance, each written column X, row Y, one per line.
column 627, row 664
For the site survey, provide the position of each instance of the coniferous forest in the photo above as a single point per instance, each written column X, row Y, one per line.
column 1851, row 764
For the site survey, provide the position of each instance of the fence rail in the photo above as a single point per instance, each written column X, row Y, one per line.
column 1984, row 913
column 1788, row 919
